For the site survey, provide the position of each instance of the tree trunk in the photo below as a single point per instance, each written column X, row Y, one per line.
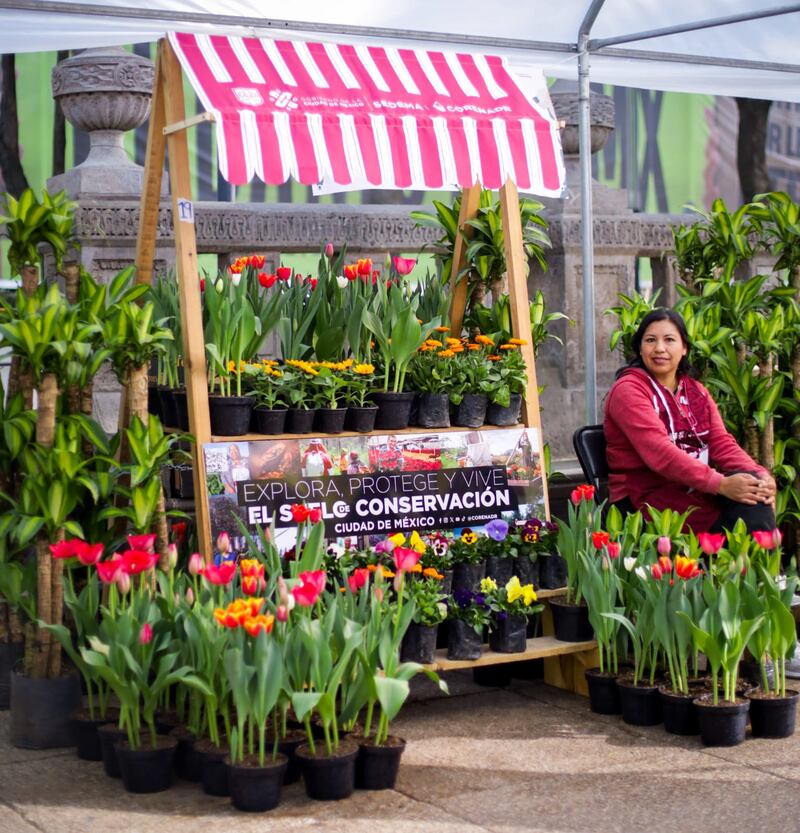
column 10, row 160
column 24, row 380
column 751, row 439
column 751, row 147
column 497, row 287
column 767, row 444
column 46, row 411
column 87, row 409
column 72, row 281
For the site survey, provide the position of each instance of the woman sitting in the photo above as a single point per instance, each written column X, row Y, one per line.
column 667, row 445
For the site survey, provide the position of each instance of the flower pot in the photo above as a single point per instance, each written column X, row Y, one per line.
column 166, row 720
column 526, row 570
column 500, row 568
column 154, row 402
column 394, row 409
column 329, row 778
column 552, row 571
column 10, row 654
column 288, row 746
column 255, row 788
column 110, row 734
column 213, row 769
column 433, row 410
column 230, row 415
column 603, row 691
column 269, row 420
column 463, row 641
column 510, row 634
column 678, row 711
column 180, row 408
column 377, row 766
column 41, row 711
column 571, row 622
column 419, row 644
column 724, row 724
column 87, row 740
column 641, row 704
column 299, row 420
column 509, row 415
column 188, row 762
column 330, row 420
column 361, row 419
column 471, row 412
column 166, row 400
column 147, row 770
column 467, row 576
column 772, row 717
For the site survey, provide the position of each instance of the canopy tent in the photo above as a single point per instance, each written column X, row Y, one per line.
column 371, row 117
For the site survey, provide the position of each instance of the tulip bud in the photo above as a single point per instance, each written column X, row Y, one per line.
column 223, row 543
column 664, row 545
column 281, row 613
column 189, row 596
column 236, row 278
column 329, row 249
column 177, row 599
column 398, row 581
column 219, row 285
column 196, row 564
column 379, row 593
column 387, row 263
column 145, row 634
column 123, row 581
column 606, row 563
column 283, row 593
column 172, row 556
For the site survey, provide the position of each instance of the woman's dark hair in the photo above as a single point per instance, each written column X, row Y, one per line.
column 659, row 314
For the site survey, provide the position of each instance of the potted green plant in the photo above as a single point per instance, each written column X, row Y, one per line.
column 430, row 374
column 328, row 392
column 469, row 563
column 267, row 383
column 430, row 610
column 471, row 383
column 361, row 412
column 299, row 378
column 511, row 604
column 494, row 546
column 508, row 377
column 467, row 614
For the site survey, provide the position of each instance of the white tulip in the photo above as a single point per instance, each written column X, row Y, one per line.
column 236, row 277
column 642, row 573
column 629, row 563
column 342, row 281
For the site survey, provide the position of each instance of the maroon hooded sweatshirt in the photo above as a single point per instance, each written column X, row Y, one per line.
column 654, row 442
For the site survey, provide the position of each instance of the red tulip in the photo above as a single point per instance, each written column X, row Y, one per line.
column 768, row 539
column 284, row 272
column 252, row 585
column 219, row 575
column 404, row 265
column 312, row 282
column 600, row 539
column 583, row 492
column 179, row 530
column 145, row 634
column 358, row 578
column 685, row 567
column 711, row 543
column 316, row 578
column 656, row 572
column 405, row 558
column 107, row 570
column 89, row 554
column 351, row 271
column 612, row 548
column 315, row 515
column 65, row 549
column 202, row 284
column 267, row 281
column 256, row 261
column 142, row 542
column 300, row 513
column 137, row 561
column 665, row 563
column 364, row 265
column 310, row 589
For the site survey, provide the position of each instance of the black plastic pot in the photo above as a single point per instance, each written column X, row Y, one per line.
column 87, row 741
column 330, row 420
column 110, row 734
column 361, row 419
column 255, row 789
column 468, row 576
column 603, row 692
column 773, row 717
column 329, row 779
column 552, row 571
column 433, row 410
column 509, row 635
column 377, row 766
column 498, row 415
column 571, row 622
column 166, row 721
column 394, row 409
column 679, row 713
column 446, row 584
column 230, row 415
column 724, row 724
column 147, row 770
column 269, row 420
column 41, row 711
column 188, row 762
column 471, row 411
column 500, row 568
column 641, row 704
column 526, row 570
column 154, row 402
column 463, row 641
column 10, row 654
column 299, row 420
column 419, row 643
column 214, row 770
column 288, row 746
column 166, row 400
column 180, row 408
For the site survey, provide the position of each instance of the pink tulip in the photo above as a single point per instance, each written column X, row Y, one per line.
column 144, row 543
column 172, row 556
column 123, row 582
column 329, row 249
column 404, row 265
column 405, row 558
column 109, row 570
column 221, row 575
column 145, row 634
column 314, row 578
column 283, row 593
column 612, row 548
column 282, row 613
column 189, row 596
column 65, row 549
column 767, row 539
column 196, row 564
column 711, row 543
column 223, row 543
column 664, row 545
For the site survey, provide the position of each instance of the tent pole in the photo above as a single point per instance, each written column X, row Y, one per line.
column 470, row 202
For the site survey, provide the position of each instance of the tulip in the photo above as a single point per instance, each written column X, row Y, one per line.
column 342, row 281
column 583, row 492
column 385, row 546
column 629, row 562
column 179, row 531
column 612, row 548
column 600, row 539
column 267, row 281
column 257, row 261
column 189, row 596
column 315, row 515
column 221, row 575
column 89, row 554
column 145, row 634
column 256, row 624
column 379, row 594
column 283, row 593
column 329, row 249
column 364, row 265
column 202, row 284
column 664, row 546
column 358, row 578
column 711, row 543
column 196, row 564
column 316, row 578
column 145, row 543
column 312, row 282
column 137, row 561
column 308, row 592
column 404, row 265
column 170, row 561
column 123, row 582
column 767, row 539
column 236, row 278
column 284, row 272
column 300, row 513
column 251, row 585
column 405, row 558
column 685, row 567
column 665, row 564
column 351, row 271
column 656, row 572
column 107, row 570
column 223, row 543
column 65, row 549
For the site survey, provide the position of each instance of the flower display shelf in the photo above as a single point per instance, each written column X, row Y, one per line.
column 216, row 438
column 539, row 647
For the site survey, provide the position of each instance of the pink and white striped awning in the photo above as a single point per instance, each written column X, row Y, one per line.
column 371, row 117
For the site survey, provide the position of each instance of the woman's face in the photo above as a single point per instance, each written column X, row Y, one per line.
column 662, row 350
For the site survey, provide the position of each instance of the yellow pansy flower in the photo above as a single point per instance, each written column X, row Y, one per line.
column 487, row 585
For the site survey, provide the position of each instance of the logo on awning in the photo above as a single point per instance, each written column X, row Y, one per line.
column 283, row 99
column 249, row 96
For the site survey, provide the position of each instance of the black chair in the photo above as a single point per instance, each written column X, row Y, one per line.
column 589, row 443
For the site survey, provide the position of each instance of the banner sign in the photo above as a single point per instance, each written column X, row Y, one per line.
column 376, row 485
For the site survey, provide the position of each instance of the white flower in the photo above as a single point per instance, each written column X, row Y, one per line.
column 642, row 573
column 629, row 563
column 342, row 281
column 236, row 277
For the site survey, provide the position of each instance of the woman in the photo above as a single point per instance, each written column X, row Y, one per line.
column 666, row 444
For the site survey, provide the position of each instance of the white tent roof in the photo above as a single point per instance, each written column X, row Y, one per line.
column 754, row 58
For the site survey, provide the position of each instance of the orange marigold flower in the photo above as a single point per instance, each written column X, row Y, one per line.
column 446, row 354
column 457, row 348
column 364, row 369
column 493, row 358
column 507, row 347
column 432, row 572
column 518, row 341
column 453, row 340
column 385, row 572
column 474, row 346
column 482, row 339
column 417, row 568
column 372, row 567
column 442, row 329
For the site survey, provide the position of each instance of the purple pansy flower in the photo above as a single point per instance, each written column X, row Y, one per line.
column 497, row 529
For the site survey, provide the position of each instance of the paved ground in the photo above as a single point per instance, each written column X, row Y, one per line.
column 525, row 758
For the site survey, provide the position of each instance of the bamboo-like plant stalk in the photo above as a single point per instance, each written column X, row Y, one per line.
column 767, row 439
column 24, row 379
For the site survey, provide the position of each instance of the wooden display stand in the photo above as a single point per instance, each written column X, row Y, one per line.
column 168, row 123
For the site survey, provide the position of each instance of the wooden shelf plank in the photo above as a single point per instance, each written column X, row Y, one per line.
column 538, row 647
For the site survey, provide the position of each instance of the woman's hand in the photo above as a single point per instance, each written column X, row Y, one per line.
column 746, row 488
